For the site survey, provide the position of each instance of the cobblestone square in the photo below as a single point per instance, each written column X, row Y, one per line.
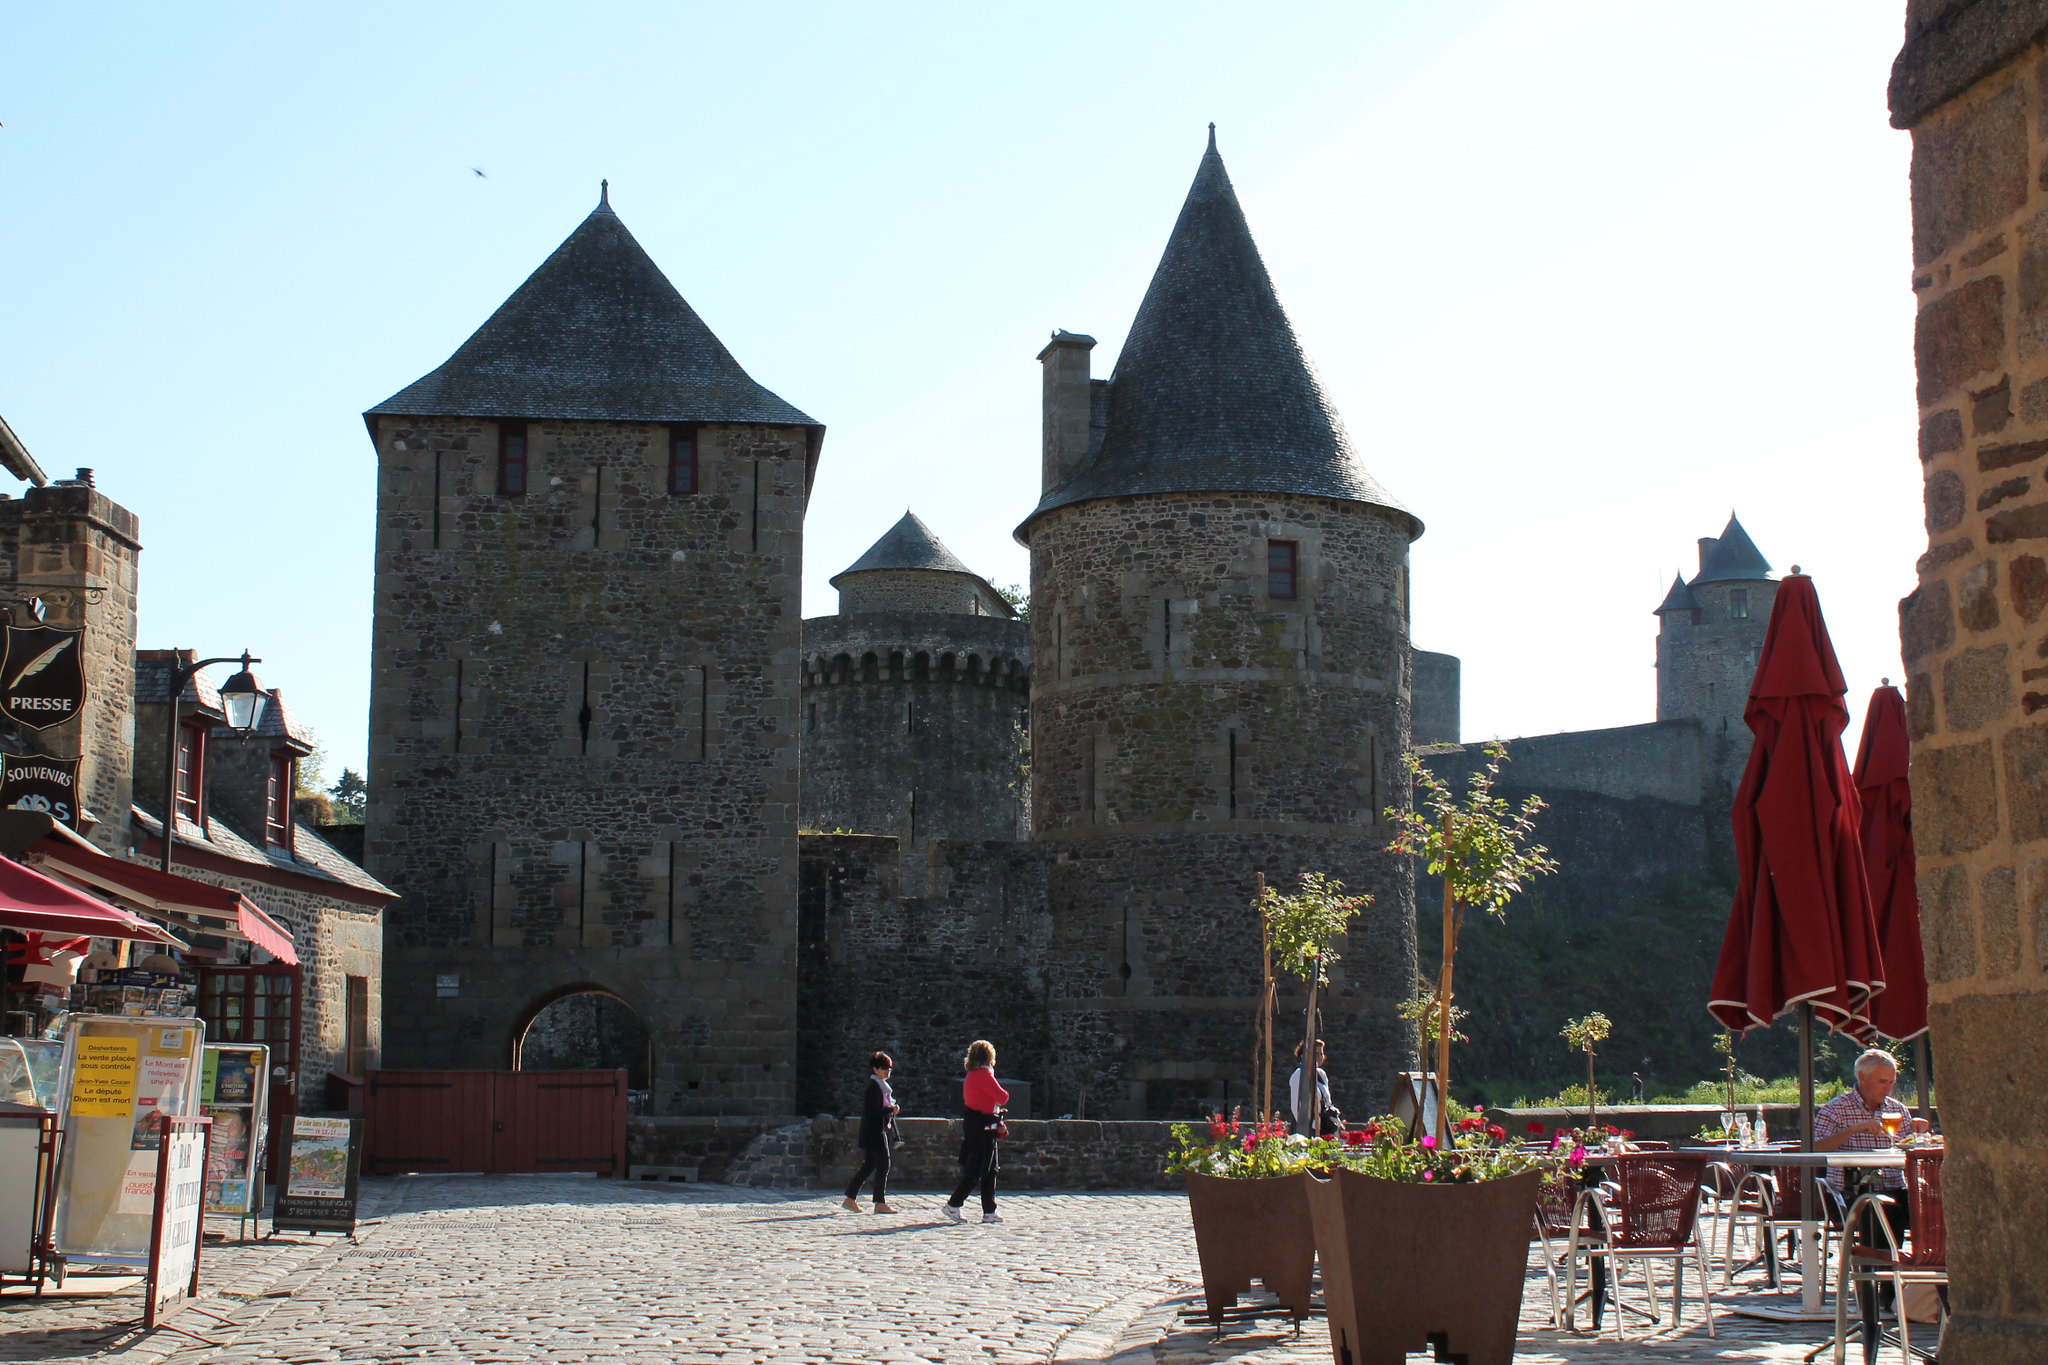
column 573, row 1269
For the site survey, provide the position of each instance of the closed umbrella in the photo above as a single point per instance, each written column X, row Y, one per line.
column 1888, row 863
column 1801, row 934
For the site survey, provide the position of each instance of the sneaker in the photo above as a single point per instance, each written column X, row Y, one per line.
column 991, row 1217
column 952, row 1212
column 883, row 1206
column 850, row 1205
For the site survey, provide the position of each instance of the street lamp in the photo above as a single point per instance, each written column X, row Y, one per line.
column 241, row 696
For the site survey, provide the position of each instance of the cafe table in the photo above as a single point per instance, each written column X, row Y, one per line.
column 1858, row 1169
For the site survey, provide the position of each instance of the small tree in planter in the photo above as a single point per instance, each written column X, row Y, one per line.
column 1481, row 848
column 1583, row 1034
column 1299, row 931
column 1423, row 1010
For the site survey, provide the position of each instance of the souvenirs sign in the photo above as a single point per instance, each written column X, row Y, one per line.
column 321, row 1177
column 49, row 785
column 42, row 675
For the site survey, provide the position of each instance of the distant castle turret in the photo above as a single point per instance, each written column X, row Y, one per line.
column 914, row 699
column 1709, row 632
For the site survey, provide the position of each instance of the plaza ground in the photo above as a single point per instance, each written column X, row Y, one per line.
column 574, row 1269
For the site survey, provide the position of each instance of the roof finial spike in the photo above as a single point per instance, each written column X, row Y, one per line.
column 604, row 194
column 1212, row 137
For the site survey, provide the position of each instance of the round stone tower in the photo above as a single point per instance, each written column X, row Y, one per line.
column 914, row 699
column 1222, row 689
column 1709, row 633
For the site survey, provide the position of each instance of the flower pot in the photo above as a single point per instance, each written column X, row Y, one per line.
column 1409, row 1267
column 1249, row 1230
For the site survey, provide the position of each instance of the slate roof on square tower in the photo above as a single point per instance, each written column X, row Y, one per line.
column 1734, row 558
column 1212, row 393
column 598, row 334
column 1680, row 598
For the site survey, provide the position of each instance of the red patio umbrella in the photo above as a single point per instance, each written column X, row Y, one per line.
column 1901, row 1012
column 1801, row 931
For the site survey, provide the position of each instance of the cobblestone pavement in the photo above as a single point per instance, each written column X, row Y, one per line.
column 569, row 1269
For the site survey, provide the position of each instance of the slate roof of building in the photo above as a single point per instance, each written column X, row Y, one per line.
column 1212, row 392
column 910, row 544
column 1680, row 598
column 279, row 721
column 153, row 680
column 16, row 460
column 311, row 856
column 1734, row 558
column 597, row 333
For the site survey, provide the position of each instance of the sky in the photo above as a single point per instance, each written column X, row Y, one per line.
column 1583, row 276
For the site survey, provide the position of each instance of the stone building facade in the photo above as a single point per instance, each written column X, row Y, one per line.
column 915, row 699
column 1971, row 83
column 584, row 706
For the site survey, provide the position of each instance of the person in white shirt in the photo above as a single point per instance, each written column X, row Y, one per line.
column 1328, row 1120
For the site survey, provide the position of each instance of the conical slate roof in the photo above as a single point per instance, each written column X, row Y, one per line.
column 597, row 333
column 1212, row 393
column 1680, row 598
column 1734, row 558
column 909, row 544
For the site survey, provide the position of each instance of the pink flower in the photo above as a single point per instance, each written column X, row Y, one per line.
column 1429, row 1175
column 1429, row 1140
column 1577, row 1158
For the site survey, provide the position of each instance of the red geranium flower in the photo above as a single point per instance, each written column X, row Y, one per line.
column 1471, row 1125
column 1628, row 1134
column 1356, row 1138
column 1496, row 1132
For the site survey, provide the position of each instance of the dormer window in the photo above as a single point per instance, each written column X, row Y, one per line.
column 277, row 803
column 1738, row 604
column 682, row 461
column 512, row 459
column 191, row 781
column 1281, row 563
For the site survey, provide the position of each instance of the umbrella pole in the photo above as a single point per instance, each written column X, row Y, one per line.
column 1924, row 1077
column 1809, row 1239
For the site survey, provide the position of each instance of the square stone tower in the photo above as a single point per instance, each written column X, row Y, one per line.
column 583, row 748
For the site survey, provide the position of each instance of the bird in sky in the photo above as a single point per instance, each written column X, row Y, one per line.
column 479, row 173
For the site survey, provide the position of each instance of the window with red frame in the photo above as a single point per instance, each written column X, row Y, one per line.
column 1281, row 557
column 682, row 461
column 277, row 803
column 512, row 459
column 191, row 783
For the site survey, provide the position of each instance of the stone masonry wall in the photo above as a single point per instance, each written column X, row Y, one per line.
column 1189, row 732
column 1438, row 699
column 917, row 958
column 583, row 750
column 918, row 590
column 1972, row 84
column 76, row 551
column 913, row 725
column 1704, row 671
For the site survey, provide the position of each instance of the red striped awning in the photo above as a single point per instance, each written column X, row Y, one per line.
column 31, row 902
column 229, row 914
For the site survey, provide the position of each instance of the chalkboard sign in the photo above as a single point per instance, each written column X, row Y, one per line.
column 322, row 1176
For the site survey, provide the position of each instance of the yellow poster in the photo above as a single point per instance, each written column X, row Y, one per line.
column 103, row 1082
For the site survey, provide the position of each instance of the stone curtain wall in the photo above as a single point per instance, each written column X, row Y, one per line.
column 917, row 590
column 68, row 544
column 1972, row 85
column 918, row 957
column 1438, row 698
column 584, row 745
column 914, row 725
column 1704, row 671
column 1188, row 733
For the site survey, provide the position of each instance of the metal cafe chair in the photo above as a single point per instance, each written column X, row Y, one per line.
column 1921, row 1259
column 1768, row 1203
column 1556, row 1207
column 1647, row 1210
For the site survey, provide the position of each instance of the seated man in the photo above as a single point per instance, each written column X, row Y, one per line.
column 1854, row 1121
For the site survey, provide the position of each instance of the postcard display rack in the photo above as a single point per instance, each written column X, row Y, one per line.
column 121, row 1079
column 234, row 1091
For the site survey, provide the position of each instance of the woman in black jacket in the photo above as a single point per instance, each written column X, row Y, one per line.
column 877, row 1129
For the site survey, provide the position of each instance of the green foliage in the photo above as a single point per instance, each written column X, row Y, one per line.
column 348, row 798
column 1571, row 1097
column 1302, row 926
column 1488, row 857
column 310, row 772
column 1477, row 1150
column 1583, row 1033
column 1016, row 595
column 1424, row 1011
column 1753, row 1090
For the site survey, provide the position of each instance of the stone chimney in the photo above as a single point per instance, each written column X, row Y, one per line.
column 1707, row 544
column 1068, row 405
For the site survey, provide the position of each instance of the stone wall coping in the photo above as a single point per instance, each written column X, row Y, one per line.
column 1955, row 48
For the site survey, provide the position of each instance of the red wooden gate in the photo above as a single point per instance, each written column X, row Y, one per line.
column 499, row 1122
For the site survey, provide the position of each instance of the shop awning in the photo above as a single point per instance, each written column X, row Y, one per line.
column 31, row 901
column 227, row 914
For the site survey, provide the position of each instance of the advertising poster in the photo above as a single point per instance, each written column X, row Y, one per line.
column 230, row 1095
column 120, row 1079
column 174, row 1252
column 320, row 1176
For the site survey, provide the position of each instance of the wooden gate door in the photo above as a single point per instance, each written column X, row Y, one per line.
column 498, row 1122
column 260, row 1005
column 560, row 1121
column 427, row 1121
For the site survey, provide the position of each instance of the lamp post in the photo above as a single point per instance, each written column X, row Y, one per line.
column 242, row 697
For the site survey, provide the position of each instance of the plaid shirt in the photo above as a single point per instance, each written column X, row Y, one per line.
column 1847, row 1110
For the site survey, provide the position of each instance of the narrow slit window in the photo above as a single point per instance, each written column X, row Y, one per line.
column 682, row 462
column 512, row 459
column 1281, row 563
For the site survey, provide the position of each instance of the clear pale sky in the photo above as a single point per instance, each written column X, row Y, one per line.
column 1582, row 276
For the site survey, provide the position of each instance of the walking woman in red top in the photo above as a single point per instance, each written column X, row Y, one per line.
column 984, row 1098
